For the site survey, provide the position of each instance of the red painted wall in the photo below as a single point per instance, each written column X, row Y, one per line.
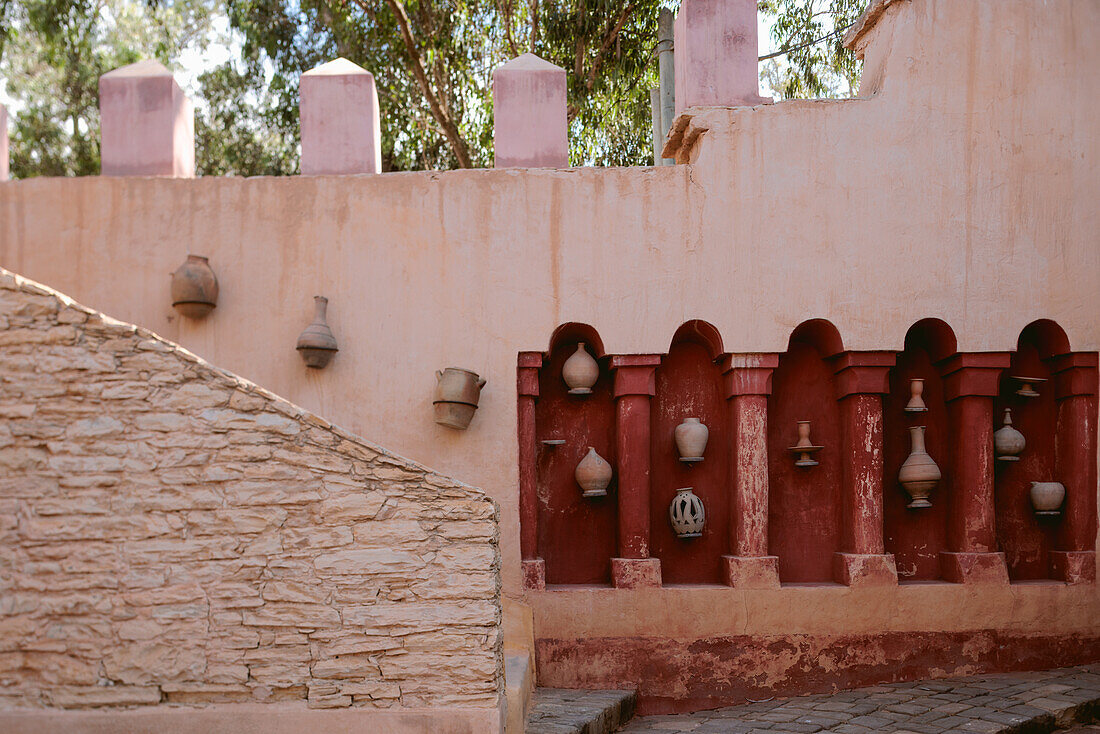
column 689, row 385
column 1026, row 539
column 915, row 537
column 804, row 521
column 577, row 536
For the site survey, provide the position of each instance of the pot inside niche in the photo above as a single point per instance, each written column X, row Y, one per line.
column 194, row 288
column 1047, row 498
column 686, row 513
column 593, row 474
column 580, row 372
column 691, row 440
column 316, row 343
column 1008, row 443
column 919, row 474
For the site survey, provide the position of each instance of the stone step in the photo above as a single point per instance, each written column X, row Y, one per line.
column 573, row 711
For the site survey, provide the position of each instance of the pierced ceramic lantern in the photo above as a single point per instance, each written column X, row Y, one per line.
column 916, row 397
column 804, row 449
column 1008, row 443
column 316, row 343
column 687, row 514
column 691, row 440
column 1047, row 498
column 593, row 474
column 194, row 288
column 919, row 474
column 457, row 392
column 580, row 372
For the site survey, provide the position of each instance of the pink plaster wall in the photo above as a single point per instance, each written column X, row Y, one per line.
column 3, row 143
column 955, row 190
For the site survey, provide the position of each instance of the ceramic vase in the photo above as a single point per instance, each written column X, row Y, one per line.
column 194, row 288
column 316, row 343
column 1047, row 497
column 457, row 392
column 580, row 372
column 691, row 439
column 1008, row 443
column 916, row 397
column 919, row 474
column 687, row 514
column 804, row 449
column 593, row 474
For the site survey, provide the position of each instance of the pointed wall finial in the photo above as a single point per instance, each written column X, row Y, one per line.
column 147, row 124
column 341, row 130
column 3, row 143
column 530, row 128
column 716, row 54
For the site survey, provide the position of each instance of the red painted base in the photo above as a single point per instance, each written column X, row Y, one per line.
column 751, row 572
column 534, row 573
column 670, row 678
column 635, row 573
column 974, row 568
column 1073, row 567
column 856, row 569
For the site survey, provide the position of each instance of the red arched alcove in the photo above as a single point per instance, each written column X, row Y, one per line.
column 577, row 536
column 689, row 385
column 1025, row 538
column 804, row 507
column 917, row 536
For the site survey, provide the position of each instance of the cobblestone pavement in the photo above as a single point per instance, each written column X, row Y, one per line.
column 572, row 711
column 1020, row 702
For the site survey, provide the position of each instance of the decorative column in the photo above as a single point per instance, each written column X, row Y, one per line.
column 971, row 382
column 530, row 129
column 527, row 385
column 634, row 387
column 748, row 382
column 716, row 54
column 146, row 124
column 862, row 378
column 1076, row 389
column 338, row 108
column 3, row 143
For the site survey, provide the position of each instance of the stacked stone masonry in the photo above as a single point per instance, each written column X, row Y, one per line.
column 170, row 533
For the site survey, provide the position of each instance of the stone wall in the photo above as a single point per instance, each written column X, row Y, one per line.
column 172, row 534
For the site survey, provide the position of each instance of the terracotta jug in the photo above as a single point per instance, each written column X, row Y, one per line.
column 194, row 288
column 687, row 514
column 316, row 343
column 916, row 397
column 919, row 474
column 580, row 372
column 691, row 439
column 593, row 474
column 457, row 392
column 1047, row 497
column 1008, row 443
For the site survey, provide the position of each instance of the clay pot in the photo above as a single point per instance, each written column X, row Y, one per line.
column 691, row 439
column 687, row 514
column 580, row 372
column 919, row 474
column 804, row 448
column 1047, row 497
column 916, row 397
column 1008, row 443
column 194, row 288
column 593, row 474
column 457, row 392
column 316, row 343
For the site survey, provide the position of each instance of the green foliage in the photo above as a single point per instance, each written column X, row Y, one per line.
column 817, row 64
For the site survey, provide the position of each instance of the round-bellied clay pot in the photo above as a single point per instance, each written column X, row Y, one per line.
column 194, row 288
column 1008, row 443
column 691, row 439
column 316, row 343
column 1047, row 497
column 686, row 513
column 457, row 392
column 593, row 474
column 919, row 474
column 580, row 371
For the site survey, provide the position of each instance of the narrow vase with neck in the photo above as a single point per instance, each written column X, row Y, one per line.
column 316, row 343
column 916, row 397
column 919, row 474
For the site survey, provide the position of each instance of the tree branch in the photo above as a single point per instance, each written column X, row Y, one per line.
column 590, row 81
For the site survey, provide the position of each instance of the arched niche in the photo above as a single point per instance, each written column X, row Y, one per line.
column 577, row 536
column 1026, row 538
column 916, row 537
column 805, row 504
column 689, row 385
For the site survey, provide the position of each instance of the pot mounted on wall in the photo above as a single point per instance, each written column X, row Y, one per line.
column 457, row 392
column 1047, row 498
column 593, row 474
column 919, row 474
column 805, row 448
column 687, row 514
column 916, row 397
column 316, row 343
column 1008, row 443
column 194, row 288
column 580, row 372
column 691, row 440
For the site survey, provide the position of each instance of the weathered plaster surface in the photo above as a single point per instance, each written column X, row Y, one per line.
column 172, row 534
